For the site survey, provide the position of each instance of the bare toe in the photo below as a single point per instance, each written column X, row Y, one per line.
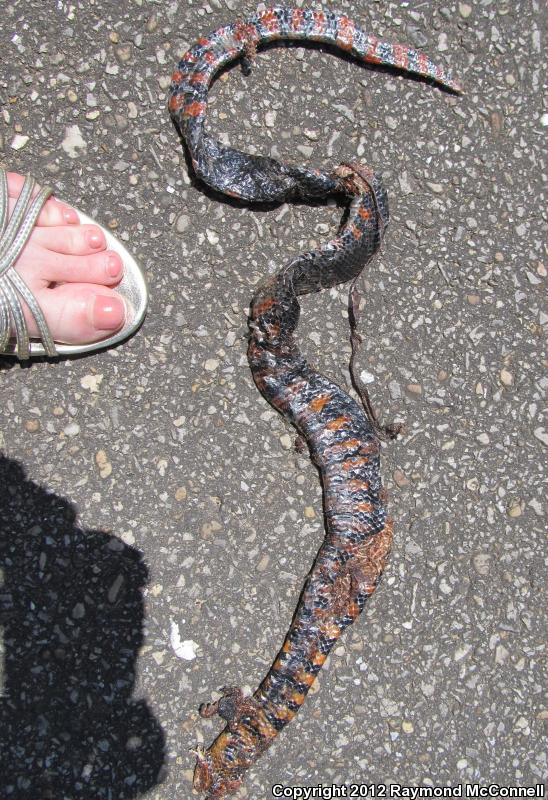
column 104, row 268
column 77, row 240
column 78, row 313
column 54, row 212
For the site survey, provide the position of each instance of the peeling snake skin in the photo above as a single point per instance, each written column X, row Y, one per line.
column 341, row 438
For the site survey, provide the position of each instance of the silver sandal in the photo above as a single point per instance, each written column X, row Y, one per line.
column 14, row 233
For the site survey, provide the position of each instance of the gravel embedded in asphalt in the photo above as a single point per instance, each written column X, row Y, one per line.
column 157, row 523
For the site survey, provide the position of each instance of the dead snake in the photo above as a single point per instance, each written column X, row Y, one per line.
column 341, row 436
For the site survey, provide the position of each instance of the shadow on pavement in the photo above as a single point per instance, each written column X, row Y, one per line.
column 71, row 610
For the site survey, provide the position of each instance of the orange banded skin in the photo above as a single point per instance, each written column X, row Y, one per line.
column 345, row 449
column 340, row 437
column 261, row 178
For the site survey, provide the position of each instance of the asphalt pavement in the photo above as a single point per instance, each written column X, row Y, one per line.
column 156, row 521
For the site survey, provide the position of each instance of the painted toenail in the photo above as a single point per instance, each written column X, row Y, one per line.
column 114, row 268
column 70, row 217
column 108, row 313
column 94, row 239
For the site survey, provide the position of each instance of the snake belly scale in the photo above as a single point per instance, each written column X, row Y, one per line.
column 341, row 438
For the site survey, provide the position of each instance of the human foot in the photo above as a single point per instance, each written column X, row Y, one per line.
column 75, row 272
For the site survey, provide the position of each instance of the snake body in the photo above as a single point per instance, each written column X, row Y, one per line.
column 342, row 441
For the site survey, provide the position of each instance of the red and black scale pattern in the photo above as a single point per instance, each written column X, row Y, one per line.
column 340, row 437
column 259, row 178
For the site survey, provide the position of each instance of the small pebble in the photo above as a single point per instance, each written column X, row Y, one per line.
column 496, row 120
column 286, row 441
column 263, row 563
column 105, row 467
column 72, row 429
column 400, row 478
column 367, row 377
column 312, row 135
column 91, row 382
column 501, row 654
column 407, row 727
column 506, row 377
column 209, row 528
column 182, row 222
column 462, row 651
column 515, row 509
column 73, row 144
column 115, row 588
column 481, row 563
column 79, row 611
column 128, row 537
column 123, row 53
column 522, row 726
column 19, row 141
column 437, row 188
column 152, row 23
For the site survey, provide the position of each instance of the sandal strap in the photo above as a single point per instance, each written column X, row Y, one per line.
column 14, row 234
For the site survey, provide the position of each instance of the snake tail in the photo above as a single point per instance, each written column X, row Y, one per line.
column 259, row 178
